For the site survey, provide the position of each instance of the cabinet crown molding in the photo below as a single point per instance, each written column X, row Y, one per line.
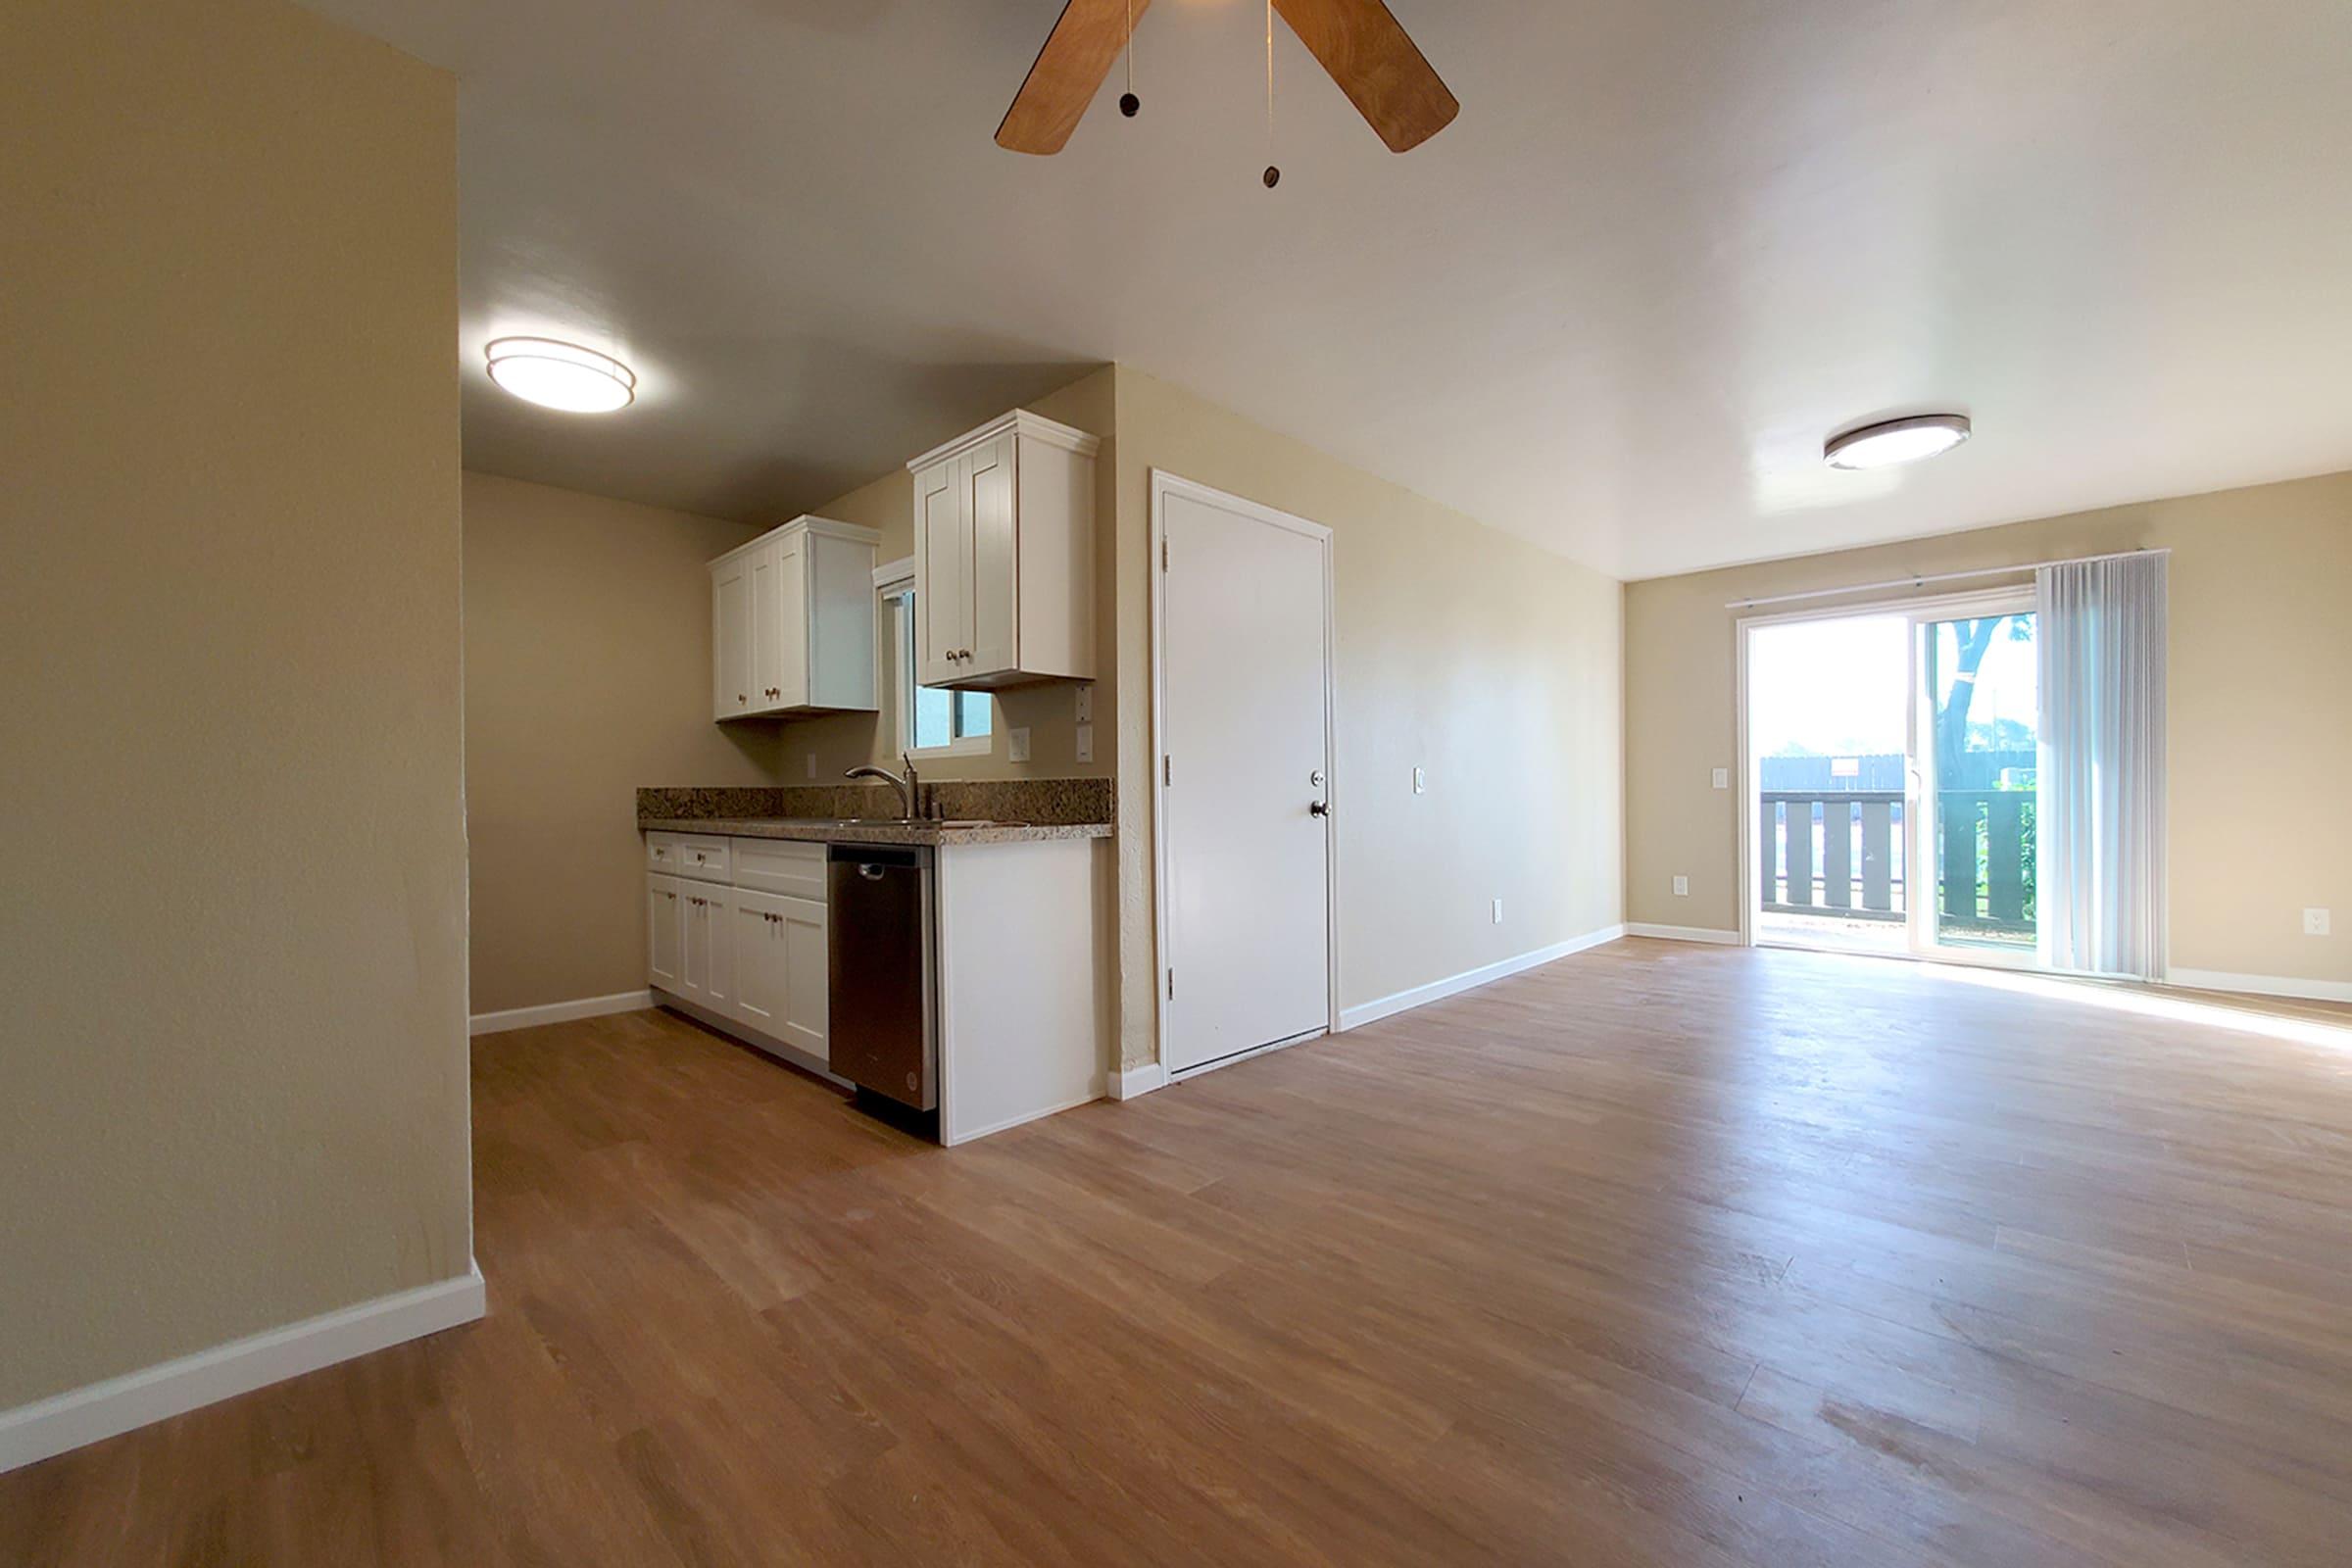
column 805, row 523
column 1020, row 420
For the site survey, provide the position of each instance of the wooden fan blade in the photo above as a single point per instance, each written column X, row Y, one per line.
column 1376, row 64
column 1077, row 56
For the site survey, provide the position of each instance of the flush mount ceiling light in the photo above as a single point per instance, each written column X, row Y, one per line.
column 1893, row 441
column 560, row 375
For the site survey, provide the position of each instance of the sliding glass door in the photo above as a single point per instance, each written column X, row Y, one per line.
column 1976, row 721
column 1892, row 761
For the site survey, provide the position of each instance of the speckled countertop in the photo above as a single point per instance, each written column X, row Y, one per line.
column 829, row 832
column 1011, row 812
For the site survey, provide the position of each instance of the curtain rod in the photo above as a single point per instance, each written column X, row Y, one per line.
column 1919, row 580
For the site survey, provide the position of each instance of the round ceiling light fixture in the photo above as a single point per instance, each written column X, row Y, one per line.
column 560, row 375
column 1892, row 441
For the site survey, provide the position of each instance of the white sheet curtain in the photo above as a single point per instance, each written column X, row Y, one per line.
column 2099, row 828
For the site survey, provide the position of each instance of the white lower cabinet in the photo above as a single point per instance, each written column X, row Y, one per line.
column 780, row 968
column 707, row 973
column 743, row 952
column 666, row 929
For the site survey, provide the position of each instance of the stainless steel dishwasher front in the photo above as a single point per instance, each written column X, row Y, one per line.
column 881, row 1025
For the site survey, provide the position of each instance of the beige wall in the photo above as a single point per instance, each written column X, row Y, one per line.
column 2259, row 728
column 233, row 958
column 1480, row 658
column 587, row 674
column 1490, row 663
column 819, row 748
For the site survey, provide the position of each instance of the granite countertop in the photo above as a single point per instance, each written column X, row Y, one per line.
column 1003, row 812
column 821, row 830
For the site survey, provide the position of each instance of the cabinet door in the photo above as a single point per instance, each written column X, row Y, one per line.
column 767, row 654
column 706, row 972
column 666, row 933
column 992, row 637
column 731, row 685
column 800, row 931
column 791, row 622
column 943, row 592
column 718, row 940
column 760, row 973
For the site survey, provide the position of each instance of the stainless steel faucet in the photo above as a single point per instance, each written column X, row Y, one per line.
column 905, row 786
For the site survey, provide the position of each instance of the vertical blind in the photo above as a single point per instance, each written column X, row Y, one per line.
column 2099, row 850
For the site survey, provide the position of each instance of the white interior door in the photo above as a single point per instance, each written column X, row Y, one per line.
column 1245, row 733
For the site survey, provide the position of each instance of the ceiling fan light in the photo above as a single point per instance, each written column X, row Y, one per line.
column 1895, row 441
column 556, row 375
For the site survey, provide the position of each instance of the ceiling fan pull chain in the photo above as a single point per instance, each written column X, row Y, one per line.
column 1129, row 103
column 1273, row 174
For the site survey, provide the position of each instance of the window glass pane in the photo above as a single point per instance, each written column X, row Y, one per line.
column 1985, row 725
column 972, row 711
column 933, row 709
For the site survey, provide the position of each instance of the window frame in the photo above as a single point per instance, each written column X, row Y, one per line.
column 893, row 592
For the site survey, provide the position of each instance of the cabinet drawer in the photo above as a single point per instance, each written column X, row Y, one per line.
column 688, row 854
column 780, row 865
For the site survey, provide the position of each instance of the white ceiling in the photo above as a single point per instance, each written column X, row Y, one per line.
column 1669, row 246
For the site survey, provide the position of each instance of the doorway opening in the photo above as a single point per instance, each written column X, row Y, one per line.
column 1892, row 775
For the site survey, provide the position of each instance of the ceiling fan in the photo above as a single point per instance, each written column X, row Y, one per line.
column 1376, row 64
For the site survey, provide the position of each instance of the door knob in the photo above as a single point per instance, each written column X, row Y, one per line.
column 1319, row 807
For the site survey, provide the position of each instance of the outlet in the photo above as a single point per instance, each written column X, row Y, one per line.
column 1085, row 743
column 1420, row 781
column 1723, row 778
column 1682, row 887
column 1017, row 744
column 1086, row 704
column 2315, row 922
column 1498, row 911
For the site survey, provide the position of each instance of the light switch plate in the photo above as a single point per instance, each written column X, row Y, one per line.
column 2315, row 922
column 1682, row 887
column 1085, row 743
column 1017, row 744
column 1723, row 778
column 1086, row 704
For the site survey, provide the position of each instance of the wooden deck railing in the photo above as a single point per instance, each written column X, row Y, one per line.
column 1857, row 872
column 1842, row 853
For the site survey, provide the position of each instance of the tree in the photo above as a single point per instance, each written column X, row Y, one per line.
column 1973, row 639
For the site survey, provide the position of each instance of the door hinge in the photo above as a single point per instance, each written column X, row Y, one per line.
column 1171, row 985
column 1163, row 553
column 1167, row 771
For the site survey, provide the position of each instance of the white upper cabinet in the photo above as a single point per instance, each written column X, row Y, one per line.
column 1004, row 555
column 731, row 637
column 792, row 621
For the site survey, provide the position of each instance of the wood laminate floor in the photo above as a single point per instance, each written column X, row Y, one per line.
column 1661, row 1255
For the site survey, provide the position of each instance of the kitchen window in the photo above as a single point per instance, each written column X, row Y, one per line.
column 931, row 722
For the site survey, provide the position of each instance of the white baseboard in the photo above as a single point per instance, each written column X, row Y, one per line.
column 2261, row 984
column 968, row 1135
column 1682, row 933
column 97, row 1410
column 1129, row 1082
column 491, row 1023
column 1421, row 996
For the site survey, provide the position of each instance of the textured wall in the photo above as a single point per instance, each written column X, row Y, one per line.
column 1486, row 661
column 232, row 956
column 1048, row 710
column 587, row 675
column 2260, row 744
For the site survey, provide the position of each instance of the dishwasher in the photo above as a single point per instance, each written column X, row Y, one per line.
column 881, row 1027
